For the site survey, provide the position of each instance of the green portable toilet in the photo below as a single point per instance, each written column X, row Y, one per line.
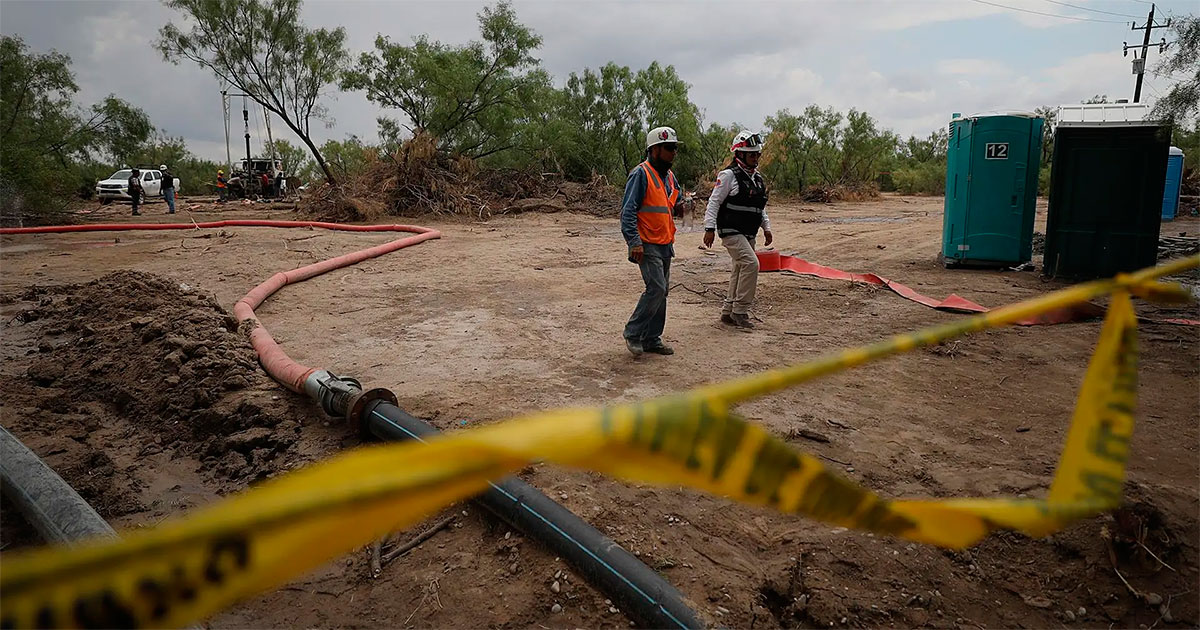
column 991, row 189
column 1106, row 191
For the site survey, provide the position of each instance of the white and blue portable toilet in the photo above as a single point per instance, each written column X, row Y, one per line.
column 1174, row 181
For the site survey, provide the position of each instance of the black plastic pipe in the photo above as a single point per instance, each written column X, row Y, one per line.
column 47, row 502
column 641, row 593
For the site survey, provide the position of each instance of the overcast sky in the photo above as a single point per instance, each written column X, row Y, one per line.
column 910, row 63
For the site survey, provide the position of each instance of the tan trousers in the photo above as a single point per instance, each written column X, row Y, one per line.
column 743, row 282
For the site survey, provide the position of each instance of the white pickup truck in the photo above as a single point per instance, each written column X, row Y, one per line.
column 116, row 187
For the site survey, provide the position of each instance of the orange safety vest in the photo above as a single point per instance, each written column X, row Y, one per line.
column 654, row 221
column 220, row 181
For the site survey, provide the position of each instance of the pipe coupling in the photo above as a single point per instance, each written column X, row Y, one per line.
column 344, row 397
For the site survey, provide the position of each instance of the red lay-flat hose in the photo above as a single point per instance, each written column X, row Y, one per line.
column 275, row 361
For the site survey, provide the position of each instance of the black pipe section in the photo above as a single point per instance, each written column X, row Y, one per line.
column 47, row 502
column 642, row 594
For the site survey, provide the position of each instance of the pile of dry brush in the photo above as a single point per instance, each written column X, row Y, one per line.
column 418, row 179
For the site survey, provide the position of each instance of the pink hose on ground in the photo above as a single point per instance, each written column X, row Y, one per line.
column 275, row 361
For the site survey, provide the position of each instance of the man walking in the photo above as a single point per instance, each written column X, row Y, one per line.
column 651, row 195
column 135, row 190
column 168, row 188
column 736, row 211
column 221, row 186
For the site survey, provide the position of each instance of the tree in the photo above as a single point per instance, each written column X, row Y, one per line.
column 472, row 98
column 712, row 150
column 930, row 149
column 261, row 48
column 350, row 156
column 43, row 134
column 1050, row 115
column 604, row 114
column 1181, row 102
column 295, row 159
column 194, row 173
column 666, row 103
column 783, row 158
column 1098, row 99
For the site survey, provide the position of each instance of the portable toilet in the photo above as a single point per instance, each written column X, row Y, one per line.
column 991, row 189
column 1174, row 181
column 1106, row 191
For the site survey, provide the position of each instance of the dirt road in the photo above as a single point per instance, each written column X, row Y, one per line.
column 164, row 410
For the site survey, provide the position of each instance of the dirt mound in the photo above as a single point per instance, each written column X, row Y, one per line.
column 160, row 354
column 419, row 180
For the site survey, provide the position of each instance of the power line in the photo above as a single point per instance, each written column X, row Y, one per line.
column 1076, row 6
column 1053, row 15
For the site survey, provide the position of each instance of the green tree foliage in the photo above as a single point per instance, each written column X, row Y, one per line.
column 196, row 176
column 473, row 98
column 296, row 160
column 349, row 157
column 261, row 48
column 1181, row 104
column 821, row 146
column 921, row 164
column 46, row 141
column 666, row 103
column 604, row 132
column 712, row 150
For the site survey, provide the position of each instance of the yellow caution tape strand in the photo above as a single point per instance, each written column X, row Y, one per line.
column 195, row 566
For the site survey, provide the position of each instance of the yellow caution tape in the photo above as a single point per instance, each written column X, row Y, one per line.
column 195, row 566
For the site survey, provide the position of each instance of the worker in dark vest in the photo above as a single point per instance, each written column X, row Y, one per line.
column 651, row 196
column 737, row 209
column 135, row 190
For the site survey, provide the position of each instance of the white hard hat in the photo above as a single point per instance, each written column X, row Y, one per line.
column 748, row 141
column 162, row 167
column 659, row 135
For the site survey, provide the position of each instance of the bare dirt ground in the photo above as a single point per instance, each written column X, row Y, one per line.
column 126, row 373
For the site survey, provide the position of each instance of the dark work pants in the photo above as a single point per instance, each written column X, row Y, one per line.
column 650, row 316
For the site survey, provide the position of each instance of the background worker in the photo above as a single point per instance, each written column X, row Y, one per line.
column 736, row 210
column 221, row 185
column 168, row 188
column 135, row 190
column 651, row 197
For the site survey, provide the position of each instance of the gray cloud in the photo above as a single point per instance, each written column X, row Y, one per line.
column 744, row 60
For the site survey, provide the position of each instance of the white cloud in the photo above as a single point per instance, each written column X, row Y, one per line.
column 910, row 63
column 973, row 67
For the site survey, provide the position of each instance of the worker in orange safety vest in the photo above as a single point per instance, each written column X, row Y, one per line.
column 652, row 197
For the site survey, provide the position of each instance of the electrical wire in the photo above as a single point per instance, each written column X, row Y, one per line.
column 1053, row 15
column 1076, row 6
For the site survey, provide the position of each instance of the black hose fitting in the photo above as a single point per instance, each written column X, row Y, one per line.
column 343, row 397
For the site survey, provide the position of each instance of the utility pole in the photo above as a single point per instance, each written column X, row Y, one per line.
column 1139, row 64
column 246, row 121
column 225, row 114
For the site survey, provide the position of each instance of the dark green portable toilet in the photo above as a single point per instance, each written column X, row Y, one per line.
column 992, row 165
column 1106, row 191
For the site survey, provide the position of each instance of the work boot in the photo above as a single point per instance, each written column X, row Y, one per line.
column 726, row 318
column 659, row 348
column 741, row 320
column 635, row 347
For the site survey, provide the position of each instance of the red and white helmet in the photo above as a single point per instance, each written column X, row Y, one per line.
column 748, row 141
column 660, row 135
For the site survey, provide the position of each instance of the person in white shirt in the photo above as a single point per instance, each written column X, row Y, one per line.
column 737, row 209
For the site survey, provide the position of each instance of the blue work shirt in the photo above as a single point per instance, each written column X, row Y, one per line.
column 635, row 192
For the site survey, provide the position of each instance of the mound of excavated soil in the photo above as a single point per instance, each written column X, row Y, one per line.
column 157, row 354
